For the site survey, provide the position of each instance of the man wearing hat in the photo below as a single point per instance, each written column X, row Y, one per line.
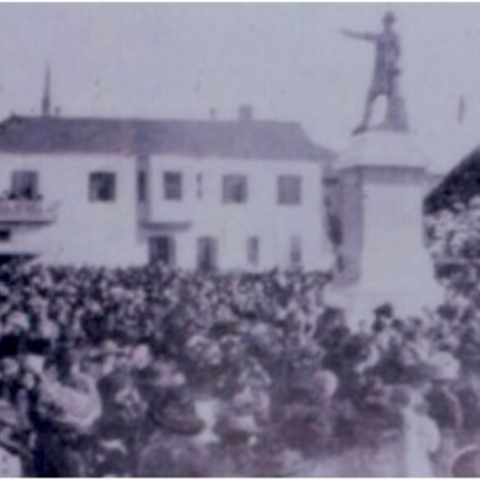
column 116, row 429
column 170, row 423
column 444, row 406
column 10, row 350
column 67, row 408
column 172, row 450
column 419, row 439
column 239, row 431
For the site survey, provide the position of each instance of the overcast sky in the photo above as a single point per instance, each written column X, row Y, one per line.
column 287, row 60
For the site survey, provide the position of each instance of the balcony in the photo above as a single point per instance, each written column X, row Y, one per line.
column 166, row 227
column 32, row 212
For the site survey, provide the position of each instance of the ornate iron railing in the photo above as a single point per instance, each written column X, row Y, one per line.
column 28, row 211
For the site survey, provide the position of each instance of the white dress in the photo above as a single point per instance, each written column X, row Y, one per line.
column 10, row 465
column 421, row 440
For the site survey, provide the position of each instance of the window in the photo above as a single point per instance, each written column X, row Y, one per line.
column 296, row 251
column 172, row 185
column 142, row 186
column 289, row 190
column 162, row 249
column 207, row 254
column 5, row 235
column 199, row 186
column 25, row 185
column 234, row 188
column 102, row 187
column 253, row 251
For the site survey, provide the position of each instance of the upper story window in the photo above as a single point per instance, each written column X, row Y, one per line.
column 172, row 185
column 5, row 235
column 142, row 185
column 199, row 186
column 289, row 190
column 102, row 187
column 234, row 189
column 25, row 185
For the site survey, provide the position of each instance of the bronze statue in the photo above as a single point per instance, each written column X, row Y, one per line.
column 385, row 75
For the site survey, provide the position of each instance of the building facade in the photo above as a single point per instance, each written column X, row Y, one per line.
column 241, row 194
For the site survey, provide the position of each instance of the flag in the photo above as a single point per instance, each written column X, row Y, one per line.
column 461, row 109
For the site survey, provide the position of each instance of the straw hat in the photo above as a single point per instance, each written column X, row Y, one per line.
column 445, row 366
column 176, row 418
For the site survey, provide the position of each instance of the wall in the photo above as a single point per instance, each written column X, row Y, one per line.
column 232, row 224
column 85, row 232
column 109, row 233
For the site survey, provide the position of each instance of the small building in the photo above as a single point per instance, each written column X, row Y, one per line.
column 460, row 185
column 229, row 194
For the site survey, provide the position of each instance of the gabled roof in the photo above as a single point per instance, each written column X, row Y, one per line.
column 197, row 138
column 459, row 185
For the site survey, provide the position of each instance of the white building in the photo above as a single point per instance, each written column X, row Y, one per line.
column 239, row 194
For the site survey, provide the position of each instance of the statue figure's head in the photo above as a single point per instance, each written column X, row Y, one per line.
column 389, row 19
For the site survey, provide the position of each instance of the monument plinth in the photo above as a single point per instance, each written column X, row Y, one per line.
column 383, row 180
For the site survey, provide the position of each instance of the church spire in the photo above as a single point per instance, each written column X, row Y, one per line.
column 46, row 100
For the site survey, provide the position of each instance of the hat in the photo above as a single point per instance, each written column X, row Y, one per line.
column 401, row 396
column 13, row 445
column 326, row 381
column 178, row 419
column 385, row 310
column 389, row 17
column 9, row 418
column 241, row 423
column 198, row 341
column 466, row 463
column 445, row 366
column 474, row 202
column 8, row 415
column 37, row 346
column 10, row 346
column 108, row 348
column 19, row 319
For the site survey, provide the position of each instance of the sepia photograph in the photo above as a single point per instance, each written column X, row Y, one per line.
column 239, row 240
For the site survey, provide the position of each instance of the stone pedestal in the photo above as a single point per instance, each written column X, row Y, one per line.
column 383, row 179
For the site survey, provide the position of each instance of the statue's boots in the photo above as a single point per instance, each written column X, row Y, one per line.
column 360, row 129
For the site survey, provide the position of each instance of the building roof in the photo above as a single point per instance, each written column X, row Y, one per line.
column 459, row 185
column 199, row 138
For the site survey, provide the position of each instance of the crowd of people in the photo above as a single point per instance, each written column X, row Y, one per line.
column 153, row 371
column 454, row 232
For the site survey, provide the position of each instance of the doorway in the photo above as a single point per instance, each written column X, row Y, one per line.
column 207, row 254
column 162, row 250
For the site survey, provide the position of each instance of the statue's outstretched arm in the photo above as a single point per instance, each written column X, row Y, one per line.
column 370, row 37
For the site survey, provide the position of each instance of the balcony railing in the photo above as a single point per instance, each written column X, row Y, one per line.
column 28, row 211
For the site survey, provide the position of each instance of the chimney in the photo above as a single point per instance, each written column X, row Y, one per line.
column 245, row 113
column 46, row 99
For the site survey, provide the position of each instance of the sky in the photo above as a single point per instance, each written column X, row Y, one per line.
column 289, row 61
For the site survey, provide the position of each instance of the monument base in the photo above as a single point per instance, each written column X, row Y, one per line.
column 383, row 180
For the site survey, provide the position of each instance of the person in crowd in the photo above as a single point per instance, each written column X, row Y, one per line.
column 67, row 407
column 14, row 454
column 109, row 370
column 420, row 435
column 171, row 450
column 445, row 408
